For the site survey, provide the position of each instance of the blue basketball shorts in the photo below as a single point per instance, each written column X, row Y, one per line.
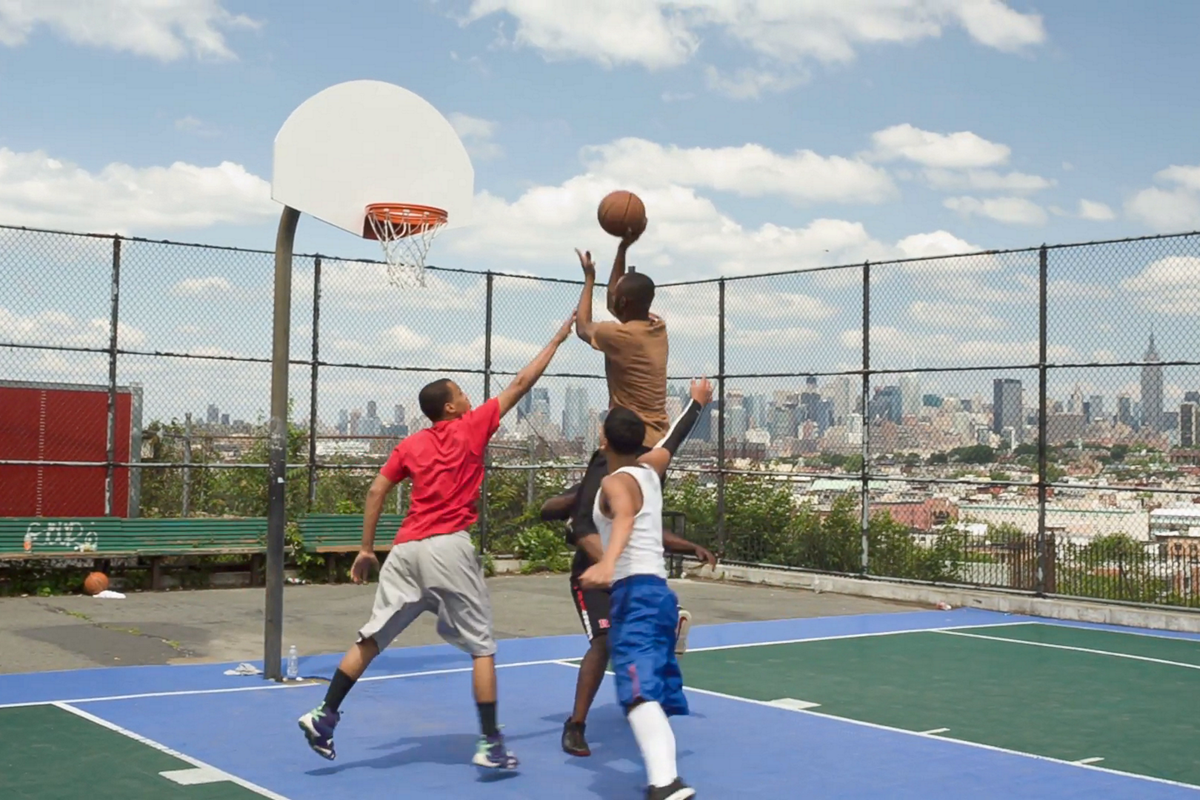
column 645, row 613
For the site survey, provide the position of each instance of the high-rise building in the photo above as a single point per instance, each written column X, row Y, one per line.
column 225, row 420
column 887, row 404
column 1187, row 424
column 1007, row 409
column 214, row 415
column 1095, row 408
column 343, row 425
column 398, row 415
column 736, row 419
column 1191, row 397
column 371, row 408
column 1152, row 390
column 845, row 395
column 575, row 412
column 910, row 395
column 1125, row 411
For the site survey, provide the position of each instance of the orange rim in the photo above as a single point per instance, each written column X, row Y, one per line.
column 403, row 219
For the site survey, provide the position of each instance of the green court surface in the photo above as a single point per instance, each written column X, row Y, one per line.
column 49, row 752
column 1121, row 701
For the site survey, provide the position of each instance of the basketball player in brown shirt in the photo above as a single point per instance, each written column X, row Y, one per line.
column 635, row 365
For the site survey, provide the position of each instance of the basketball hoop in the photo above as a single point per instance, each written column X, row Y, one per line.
column 406, row 232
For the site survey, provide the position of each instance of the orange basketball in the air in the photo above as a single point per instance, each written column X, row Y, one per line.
column 96, row 583
column 621, row 211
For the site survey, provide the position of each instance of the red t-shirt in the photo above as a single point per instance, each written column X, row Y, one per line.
column 445, row 463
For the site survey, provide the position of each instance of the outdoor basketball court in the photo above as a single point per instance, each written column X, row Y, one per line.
column 920, row 704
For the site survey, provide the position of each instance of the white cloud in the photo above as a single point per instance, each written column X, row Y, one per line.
column 953, row 315
column 190, row 124
column 165, row 30
column 1173, row 209
column 504, row 348
column 937, row 243
column 59, row 328
column 773, row 337
column 986, row 180
column 894, row 345
column 1167, row 286
column 208, row 286
column 750, row 170
column 121, row 198
column 666, row 33
column 959, row 150
column 1093, row 210
column 476, row 135
column 1009, row 210
column 747, row 83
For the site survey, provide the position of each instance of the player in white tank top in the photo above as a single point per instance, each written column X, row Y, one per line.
column 643, row 555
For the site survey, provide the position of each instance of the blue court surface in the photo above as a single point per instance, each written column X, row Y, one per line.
column 925, row 704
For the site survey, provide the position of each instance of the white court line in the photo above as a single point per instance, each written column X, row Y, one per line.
column 836, row 637
column 1086, row 761
column 927, row 735
column 245, row 784
column 195, row 776
column 1130, row 656
column 935, row 730
column 267, row 686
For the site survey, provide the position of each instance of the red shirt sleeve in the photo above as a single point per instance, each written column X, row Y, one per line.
column 482, row 422
column 396, row 469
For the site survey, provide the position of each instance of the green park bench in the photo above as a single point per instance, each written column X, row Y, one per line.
column 100, row 539
column 330, row 534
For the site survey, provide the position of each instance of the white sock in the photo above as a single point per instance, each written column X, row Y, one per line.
column 656, row 740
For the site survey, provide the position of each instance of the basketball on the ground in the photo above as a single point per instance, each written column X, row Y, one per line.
column 96, row 583
column 622, row 211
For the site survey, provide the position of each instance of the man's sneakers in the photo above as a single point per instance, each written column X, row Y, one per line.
column 318, row 726
column 681, row 634
column 491, row 753
column 573, row 741
column 678, row 790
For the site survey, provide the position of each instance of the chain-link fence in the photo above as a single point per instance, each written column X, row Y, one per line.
column 1027, row 419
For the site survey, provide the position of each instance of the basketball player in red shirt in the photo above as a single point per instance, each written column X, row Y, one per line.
column 433, row 565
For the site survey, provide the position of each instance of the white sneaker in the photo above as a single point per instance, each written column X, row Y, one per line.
column 681, row 631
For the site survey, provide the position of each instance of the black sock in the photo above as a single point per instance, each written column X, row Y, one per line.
column 338, row 688
column 487, row 718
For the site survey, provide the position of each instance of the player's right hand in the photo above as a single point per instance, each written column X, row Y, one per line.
column 585, row 261
column 702, row 391
column 564, row 332
column 364, row 562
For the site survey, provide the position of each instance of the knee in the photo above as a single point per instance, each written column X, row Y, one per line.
column 599, row 644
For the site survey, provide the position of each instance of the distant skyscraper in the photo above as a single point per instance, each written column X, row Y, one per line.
column 736, row 420
column 1006, row 407
column 1095, row 408
column 575, row 412
column 1191, row 397
column 1152, row 390
column 1187, row 424
column 844, row 394
column 225, row 419
column 398, row 415
column 1125, row 411
column 371, row 410
column 910, row 395
column 214, row 415
column 887, row 404
column 343, row 425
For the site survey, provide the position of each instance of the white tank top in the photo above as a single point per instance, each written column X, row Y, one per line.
column 644, row 553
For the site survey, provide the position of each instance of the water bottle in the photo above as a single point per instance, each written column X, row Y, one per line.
column 293, row 669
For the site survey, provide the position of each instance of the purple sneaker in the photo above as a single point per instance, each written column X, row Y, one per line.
column 318, row 726
column 492, row 754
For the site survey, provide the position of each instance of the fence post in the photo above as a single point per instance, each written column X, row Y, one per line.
column 721, row 531
column 114, row 311
column 312, row 400
column 865, row 471
column 487, row 395
column 186, row 502
column 1043, row 421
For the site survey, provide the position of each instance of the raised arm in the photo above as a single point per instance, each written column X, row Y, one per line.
column 660, row 457
column 583, row 313
column 524, row 380
column 618, row 270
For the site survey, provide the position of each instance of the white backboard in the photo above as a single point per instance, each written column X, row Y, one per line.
column 366, row 142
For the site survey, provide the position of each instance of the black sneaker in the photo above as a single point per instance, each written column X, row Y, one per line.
column 678, row 790
column 573, row 742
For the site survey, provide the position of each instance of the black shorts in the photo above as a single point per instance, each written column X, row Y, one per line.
column 581, row 513
column 592, row 605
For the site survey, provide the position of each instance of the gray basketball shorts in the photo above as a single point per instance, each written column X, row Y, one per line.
column 441, row 575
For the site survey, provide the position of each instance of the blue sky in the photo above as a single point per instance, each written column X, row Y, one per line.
column 762, row 135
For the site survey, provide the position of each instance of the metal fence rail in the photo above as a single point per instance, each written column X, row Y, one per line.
column 1023, row 418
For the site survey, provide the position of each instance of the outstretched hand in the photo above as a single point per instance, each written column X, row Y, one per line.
column 564, row 330
column 585, row 261
column 702, row 391
column 630, row 237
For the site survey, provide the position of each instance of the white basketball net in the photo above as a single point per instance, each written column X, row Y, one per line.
column 405, row 244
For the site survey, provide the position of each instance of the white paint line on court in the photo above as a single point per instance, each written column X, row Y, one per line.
column 195, row 762
column 793, row 704
column 839, row 636
column 934, row 731
column 964, row 743
column 1130, row 656
column 1091, row 760
column 196, row 776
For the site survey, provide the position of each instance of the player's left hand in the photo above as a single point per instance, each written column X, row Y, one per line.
column 702, row 391
column 585, row 261
column 705, row 556
column 597, row 576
